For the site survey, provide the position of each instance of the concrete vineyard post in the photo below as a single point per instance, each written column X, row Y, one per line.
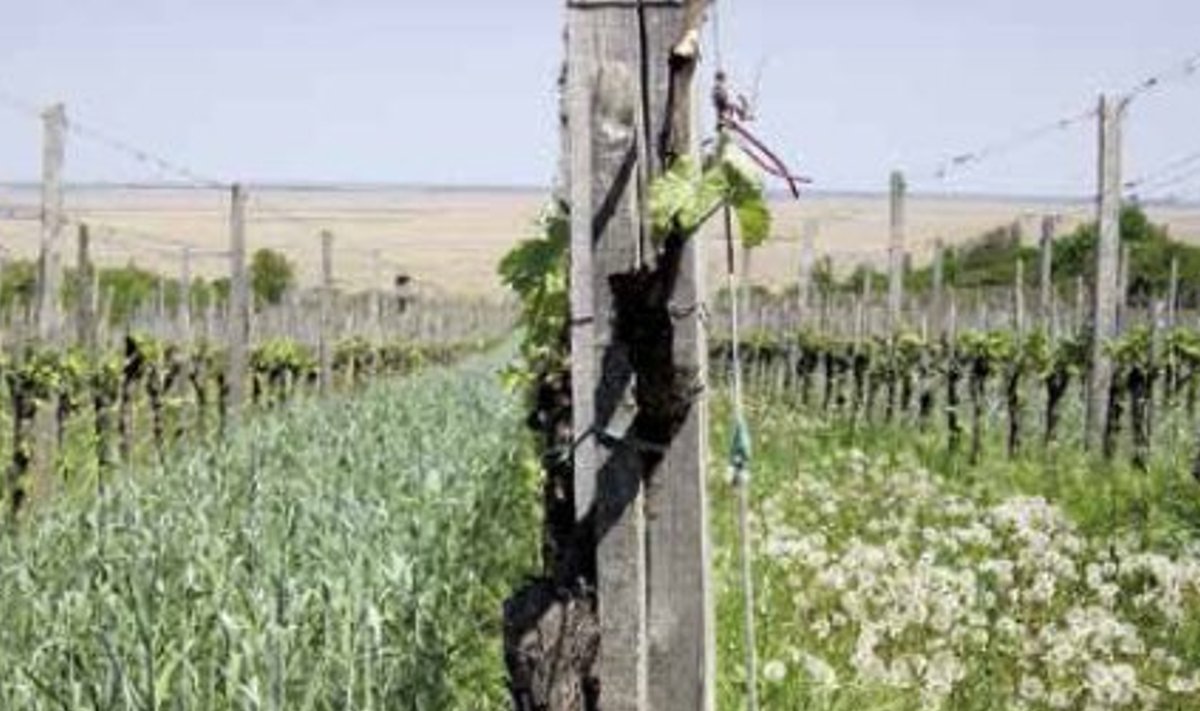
column 54, row 124
column 1105, row 304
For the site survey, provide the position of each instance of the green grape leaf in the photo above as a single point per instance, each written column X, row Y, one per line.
column 684, row 197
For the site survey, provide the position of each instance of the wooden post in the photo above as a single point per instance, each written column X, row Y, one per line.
column 1104, row 305
column 938, row 299
column 324, row 347
column 804, row 294
column 1123, row 288
column 862, row 328
column 85, row 307
column 54, row 124
column 1081, row 309
column 652, row 554
column 1019, row 298
column 238, row 326
column 185, row 296
column 1173, row 294
column 896, row 252
column 1046, row 276
column 375, row 306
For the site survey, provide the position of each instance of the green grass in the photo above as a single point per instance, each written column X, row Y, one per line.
column 343, row 554
column 886, row 506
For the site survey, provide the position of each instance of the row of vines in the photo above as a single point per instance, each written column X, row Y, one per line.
column 79, row 416
column 961, row 382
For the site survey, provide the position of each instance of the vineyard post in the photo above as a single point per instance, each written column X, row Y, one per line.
column 861, row 314
column 808, row 248
column 238, row 324
column 1173, row 294
column 85, row 305
column 185, row 295
column 324, row 349
column 1019, row 297
column 1046, row 254
column 161, row 329
column 376, row 296
column 1105, row 303
column 896, row 252
column 938, row 307
column 952, row 320
column 624, row 83
column 54, row 124
column 823, row 326
column 1081, row 317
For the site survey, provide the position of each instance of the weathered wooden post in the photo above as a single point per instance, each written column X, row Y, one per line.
column 85, row 306
column 54, row 124
column 641, row 486
column 1173, row 294
column 324, row 347
column 1019, row 297
column 1123, row 288
column 184, row 315
column 1081, row 308
column 1104, row 305
column 1046, row 276
column 238, row 325
column 896, row 252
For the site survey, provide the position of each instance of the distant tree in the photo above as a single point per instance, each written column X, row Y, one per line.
column 271, row 275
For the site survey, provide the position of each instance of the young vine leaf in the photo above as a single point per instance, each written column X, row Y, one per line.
column 684, row 197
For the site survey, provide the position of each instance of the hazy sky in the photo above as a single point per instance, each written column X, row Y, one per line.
column 463, row 92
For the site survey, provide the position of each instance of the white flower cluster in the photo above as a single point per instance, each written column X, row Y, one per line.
column 898, row 581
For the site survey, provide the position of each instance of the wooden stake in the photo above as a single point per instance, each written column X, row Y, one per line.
column 896, row 252
column 1019, row 298
column 1046, row 283
column 85, row 307
column 938, row 306
column 324, row 335
column 238, row 326
column 185, row 296
column 1104, row 305
column 54, row 124
column 1173, row 294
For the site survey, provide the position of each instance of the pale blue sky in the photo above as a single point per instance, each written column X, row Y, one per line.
column 463, row 92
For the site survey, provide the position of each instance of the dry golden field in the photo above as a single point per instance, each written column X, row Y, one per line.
column 451, row 239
